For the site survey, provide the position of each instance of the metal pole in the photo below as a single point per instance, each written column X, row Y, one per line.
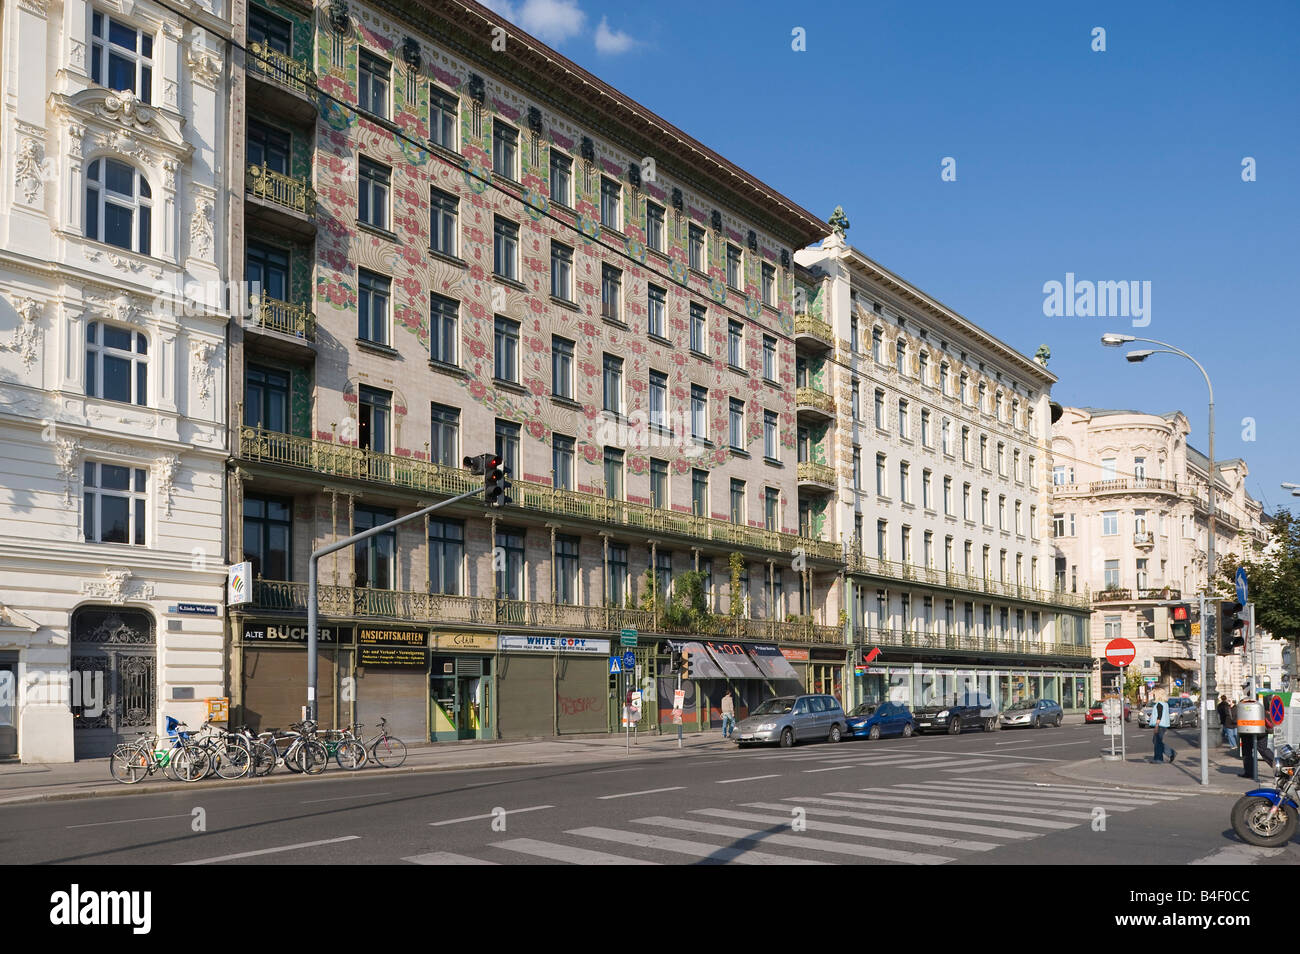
column 1205, row 650
column 312, row 583
column 682, row 710
column 1207, row 690
column 1123, row 739
column 1250, row 661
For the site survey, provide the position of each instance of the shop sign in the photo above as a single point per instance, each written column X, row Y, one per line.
column 555, row 644
column 476, row 641
column 798, row 655
column 287, row 633
column 392, row 647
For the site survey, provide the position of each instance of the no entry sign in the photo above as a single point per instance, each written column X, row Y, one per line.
column 1120, row 652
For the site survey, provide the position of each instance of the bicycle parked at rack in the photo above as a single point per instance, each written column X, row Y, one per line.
column 229, row 755
column 181, row 759
column 386, row 750
column 302, row 752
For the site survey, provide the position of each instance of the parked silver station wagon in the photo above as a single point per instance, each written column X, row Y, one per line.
column 790, row 719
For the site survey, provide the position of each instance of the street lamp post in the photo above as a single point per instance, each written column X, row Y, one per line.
column 1116, row 341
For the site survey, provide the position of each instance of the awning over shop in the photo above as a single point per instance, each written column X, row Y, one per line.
column 1188, row 664
column 771, row 663
column 702, row 664
column 734, row 661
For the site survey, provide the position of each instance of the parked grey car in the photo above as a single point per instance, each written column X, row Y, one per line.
column 790, row 719
column 1033, row 713
column 1182, row 712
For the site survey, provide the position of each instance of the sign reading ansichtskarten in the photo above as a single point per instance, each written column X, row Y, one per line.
column 392, row 647
column 555, row 644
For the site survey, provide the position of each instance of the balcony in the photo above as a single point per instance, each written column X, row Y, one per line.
column 815, row 402
column 1121, row 594
column 280, row 83
column 1134, row 485
column 1113, row 594
column 297, row 321
column 982, row 645
column 891, row 570
column 316, row 458
column 286, row 202
column 1144, row 540
column 813, row 332
column 346, row 602
column 816, row 476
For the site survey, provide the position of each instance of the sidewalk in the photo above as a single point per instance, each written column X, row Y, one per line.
column 1182, row 775
column 89, row 778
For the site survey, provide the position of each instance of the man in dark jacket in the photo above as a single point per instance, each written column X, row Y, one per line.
column 1222, row 709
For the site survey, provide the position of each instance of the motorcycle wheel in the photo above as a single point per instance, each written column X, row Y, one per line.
column 1251, row 822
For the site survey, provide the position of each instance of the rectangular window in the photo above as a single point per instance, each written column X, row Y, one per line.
column 1018, row 511
column 881, row 486
column 374, row 419
column 734, row 278
column 769, row 285
column 505, row 248
column 611, row 292
column 736, row 424
column 510, row 569
column 566, row 569
column 655, row 310
column 695, row 246
column 735, row 344
column 903, row 431
column 1058, row 525
column 880, row 409
column 926, row 495
column 373, row 79
column 984, row 508
column 769, row 435
column 562, row 367
column 505, row 150
column 374, row 558
column 699, row 413
column 1109, row 523
column 1015, row 466
column 444, row 435
column 446, row 556
column 444, row 222
column 654, row 226
column 1002, row 459
column 857, row 468
column 664, row 574
column 444, row 117
column 904, row 488
column 769, row 359
column 659, row 400
column 616, row 580
column 561, row 178
column 611, row 194
column 561, row 271
column 561, row 462
column 1109, row 468
column 1112, row 574
column 965, row 501
column 121, row 57
column 698, row 328
column 507, row 445
column 737, row 501
column 506, row 353
column 877, row 346
column 613, row 474
column 266, row 399
column 905, row 541
column 882, row 539
column 803, row 444
column 927, row 548
column 613, row 384
column 700, row 493
column 965, row 444
column 855, row 403
column 444, row 331
column 117, row 364
column 947, row 496
column 658, row 483
column 268, row 535
column 373, row 190
column 1002, row 512
column 771, row 509
column 925, row 428
column 984, row 451
column 114, row 503
column 373, row 294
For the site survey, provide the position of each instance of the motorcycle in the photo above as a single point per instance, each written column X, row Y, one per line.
column 1267, row 817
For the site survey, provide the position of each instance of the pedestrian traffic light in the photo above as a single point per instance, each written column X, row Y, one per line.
column 495, row 485
column 1232, row 617
column 686, row 664
column 1180, row 621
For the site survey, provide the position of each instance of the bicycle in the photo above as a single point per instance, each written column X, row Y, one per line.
column 229, row 754
column 342, row 744
column 182, row 760
column 304, row 753
column 262, row 757
column 387, row 750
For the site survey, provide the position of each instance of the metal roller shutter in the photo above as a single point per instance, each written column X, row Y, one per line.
column 583, row 694
column 400, row 696
column 526, row 697
column 275, row 687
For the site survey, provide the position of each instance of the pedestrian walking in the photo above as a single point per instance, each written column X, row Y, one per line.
column 1160, row 720
column 728, row 714
column 1229, row 719
column 1222, row 709
column 1247, row 753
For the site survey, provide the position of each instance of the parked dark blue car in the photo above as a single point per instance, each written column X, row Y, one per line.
column 871, row 720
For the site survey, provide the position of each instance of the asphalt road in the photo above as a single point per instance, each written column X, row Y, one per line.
column 972, row 799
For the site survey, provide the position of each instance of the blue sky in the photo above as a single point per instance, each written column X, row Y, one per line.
column 1117, row 166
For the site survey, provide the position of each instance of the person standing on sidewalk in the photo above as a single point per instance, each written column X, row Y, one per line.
column 1229, row 719
column 1223, row 709
column 728, row 714
column 1160, row 720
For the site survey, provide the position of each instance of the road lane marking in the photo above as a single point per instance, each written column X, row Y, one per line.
column 512, row 811
column 985, row 766
column 1238, row 855
column 697, row 849
column 445, row 858
column 339, row 798
column 128, row 821
column 833, row 768
column 1123, row 798
column 750, row 778
column 1113, row 789
column 576, row 856
column 271, row 851
column 840, row 810
column 764, row 836
column 616, row 771
column 1048, row 745
column 1009, row 799
column 648, row 791
column 928, row 796
column 923, row 806
column 880, row 834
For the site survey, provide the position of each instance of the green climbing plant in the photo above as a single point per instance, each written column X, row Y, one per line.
column 736, row 563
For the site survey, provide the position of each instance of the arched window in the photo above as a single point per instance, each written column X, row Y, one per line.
column 117, row 364
column 118, row 206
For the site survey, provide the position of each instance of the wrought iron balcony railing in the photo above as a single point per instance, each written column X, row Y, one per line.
column 810, row 472
column 890, row 569
column 982, row 644
column 815, row 399
column 814, row 328
column 423, row 477
column 286, row 317
column 281, row 67
column 292, row 192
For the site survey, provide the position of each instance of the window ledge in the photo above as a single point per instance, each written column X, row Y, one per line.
column 659, row 339
column 374, row 347
column 739, row 452
column 565, row 303
column 737, row 369
column 614, row 321
column 449, row 259
column 772, row 461
column 565, row 402
column 376, row 230
column 701, row 355
column 513, row 386
column 511, row 282
column 452, row 369
column 378, row 120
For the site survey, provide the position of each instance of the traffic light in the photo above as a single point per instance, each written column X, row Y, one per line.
column 1180, row 621
column 477, row 465
column 686, row 664
column 494, row 473
column 1232, row 617
column 676, row 661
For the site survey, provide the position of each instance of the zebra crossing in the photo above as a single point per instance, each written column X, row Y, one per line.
column 930, row 822
column 910, row 760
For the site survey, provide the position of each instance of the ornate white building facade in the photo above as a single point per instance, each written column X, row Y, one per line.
column 113, row 127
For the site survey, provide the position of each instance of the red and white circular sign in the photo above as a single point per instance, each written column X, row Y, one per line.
column 1120, row 652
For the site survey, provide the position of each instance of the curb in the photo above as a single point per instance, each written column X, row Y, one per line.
column 1064, row 771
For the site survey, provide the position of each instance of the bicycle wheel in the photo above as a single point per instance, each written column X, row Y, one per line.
column 129, row 763
column 388, row 751
column 231, row 759
column 350, row 755
column 313, row 758
column 292, row 756
column 263, row 758
column 191, row 762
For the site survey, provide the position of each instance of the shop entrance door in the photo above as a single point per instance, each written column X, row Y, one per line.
column 461, row 699
column 8, row 709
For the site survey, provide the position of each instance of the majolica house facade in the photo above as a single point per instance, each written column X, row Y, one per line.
column 923, row 444
column 1130, row 525
column 112, row 370
column 464, row 250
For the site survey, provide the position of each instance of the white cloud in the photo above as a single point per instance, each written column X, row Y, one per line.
column 502, row 8
column 552, row 21
column 612, row 42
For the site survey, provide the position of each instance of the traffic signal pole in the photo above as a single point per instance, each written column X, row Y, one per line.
column 312, row 585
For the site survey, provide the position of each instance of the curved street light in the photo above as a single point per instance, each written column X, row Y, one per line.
column 1114, row 340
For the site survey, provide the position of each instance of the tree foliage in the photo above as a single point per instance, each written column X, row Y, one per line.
column 1272, row 575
